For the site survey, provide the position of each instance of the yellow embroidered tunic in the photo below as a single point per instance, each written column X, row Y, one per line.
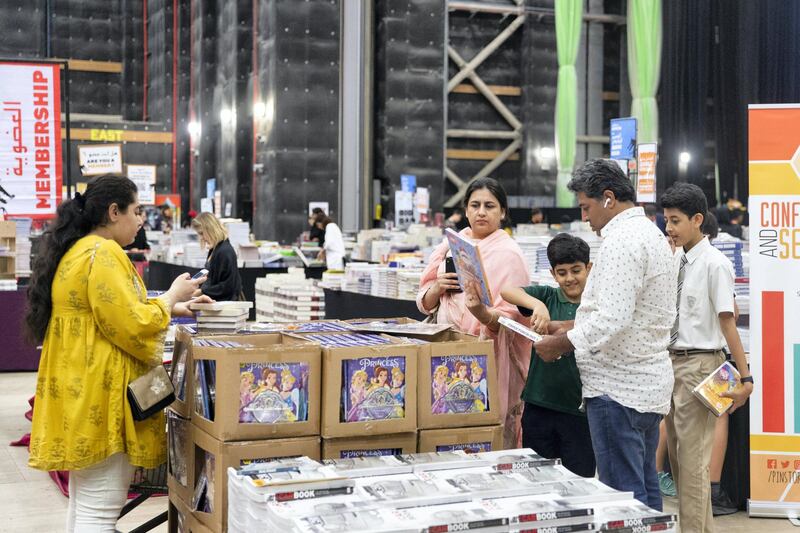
column 103, row 333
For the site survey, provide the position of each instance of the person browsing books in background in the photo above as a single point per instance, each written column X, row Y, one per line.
column 552, row 422
column 486, row 206
column 333, row 244
column 315, row 233
column 705, row 323
column 89, row 309
column 224, row 282
column 621, row 332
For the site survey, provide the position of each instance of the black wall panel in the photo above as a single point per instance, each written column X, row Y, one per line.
column 539, row 83
column 132, row 79
column 409, row 100
column 297, row 145
column 22, row 26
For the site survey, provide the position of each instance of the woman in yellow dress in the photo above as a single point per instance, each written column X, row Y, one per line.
column 89, row 309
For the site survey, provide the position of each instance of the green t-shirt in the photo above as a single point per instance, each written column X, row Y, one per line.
column 555, row 385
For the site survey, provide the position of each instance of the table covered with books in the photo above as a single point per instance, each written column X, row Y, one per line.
column 398, row 427
column 160, row 275
column 345, row 305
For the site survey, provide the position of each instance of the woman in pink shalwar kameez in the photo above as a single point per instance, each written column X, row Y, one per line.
column 486, row 207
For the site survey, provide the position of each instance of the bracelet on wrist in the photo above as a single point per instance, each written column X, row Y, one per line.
column 747, row 379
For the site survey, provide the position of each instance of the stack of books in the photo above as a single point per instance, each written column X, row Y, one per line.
column 384, row 282
column 23, row 246
column 267, row 287
column 408, row 284
column 299, row 303
column 221, row 317
column 513, row 490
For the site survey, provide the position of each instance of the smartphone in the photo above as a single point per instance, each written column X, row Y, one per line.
column 450, row 267
column 203, row 272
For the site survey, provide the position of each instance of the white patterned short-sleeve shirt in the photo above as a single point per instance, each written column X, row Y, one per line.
column 622, row 327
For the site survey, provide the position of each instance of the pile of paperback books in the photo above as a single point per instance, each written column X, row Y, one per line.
column 513, row 490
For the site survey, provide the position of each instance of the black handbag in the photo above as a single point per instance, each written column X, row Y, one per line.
column 150, row 393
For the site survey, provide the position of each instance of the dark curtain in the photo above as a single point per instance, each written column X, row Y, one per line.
column 737, row 52
column 684, row 90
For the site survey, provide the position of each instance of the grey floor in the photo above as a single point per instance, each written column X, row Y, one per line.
column 30, row 501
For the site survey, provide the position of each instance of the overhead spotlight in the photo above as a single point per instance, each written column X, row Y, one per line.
column 259, row 109
column 545, row 152
column 684, row 158
column 193, row 128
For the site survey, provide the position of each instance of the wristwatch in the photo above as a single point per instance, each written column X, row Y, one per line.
column 748, row 379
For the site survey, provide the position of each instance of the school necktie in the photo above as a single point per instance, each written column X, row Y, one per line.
column 681, row 273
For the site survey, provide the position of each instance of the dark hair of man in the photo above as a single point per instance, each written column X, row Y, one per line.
column 710, row 226
column 566, row 249
column 535, row 211
column 687, row 198
column 493, row 186
column 596, row 176
column 75, row 218
column 317, row 211
column 650, row 210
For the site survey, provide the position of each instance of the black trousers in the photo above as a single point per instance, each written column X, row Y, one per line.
column 553, row 434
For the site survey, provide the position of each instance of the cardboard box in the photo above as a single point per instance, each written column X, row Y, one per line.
column 365, row 446
column 457, row 379
column 283, row 400
column 180, row 469
column 366, row 367
column 181, row 519
column 232, row 454
column 182, row 366
column 471, row 440
column 178, row 515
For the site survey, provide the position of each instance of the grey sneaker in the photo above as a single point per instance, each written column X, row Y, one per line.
column 666, row 484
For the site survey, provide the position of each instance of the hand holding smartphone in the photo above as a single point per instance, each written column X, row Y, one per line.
column 203, row 273
column 450, row 268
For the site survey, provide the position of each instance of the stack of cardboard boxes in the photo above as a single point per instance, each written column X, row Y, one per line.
column 248, row 398
column 255, row 397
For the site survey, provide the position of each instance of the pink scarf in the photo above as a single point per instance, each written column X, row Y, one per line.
column 505, row 267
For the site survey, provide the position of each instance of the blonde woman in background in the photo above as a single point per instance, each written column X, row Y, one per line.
column 224, row 282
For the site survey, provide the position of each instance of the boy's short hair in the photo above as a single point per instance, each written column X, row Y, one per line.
column 566, row 249
column 687, row 198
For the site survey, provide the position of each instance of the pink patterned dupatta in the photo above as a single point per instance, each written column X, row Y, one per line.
column 505, row 267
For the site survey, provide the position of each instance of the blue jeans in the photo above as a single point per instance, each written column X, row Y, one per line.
column 624, row 442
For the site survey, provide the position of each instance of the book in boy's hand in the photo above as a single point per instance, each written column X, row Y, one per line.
column 516, row 327
column 724, row 379
column 469, row 267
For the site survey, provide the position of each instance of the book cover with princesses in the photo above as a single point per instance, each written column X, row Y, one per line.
column 459, row 385
column 373, row 388
column 273, row 393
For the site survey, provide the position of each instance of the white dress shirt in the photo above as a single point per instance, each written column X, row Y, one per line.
column 334, row 247
column 622, row 327
column 707, row 291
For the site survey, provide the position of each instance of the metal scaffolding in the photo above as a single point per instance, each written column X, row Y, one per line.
column 467, row 70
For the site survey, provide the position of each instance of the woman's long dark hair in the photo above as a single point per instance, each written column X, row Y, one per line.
column 75, row 218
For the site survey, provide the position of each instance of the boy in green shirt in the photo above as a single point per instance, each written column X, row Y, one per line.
column 552, row 423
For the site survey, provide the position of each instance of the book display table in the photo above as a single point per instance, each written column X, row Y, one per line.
column 343, row 305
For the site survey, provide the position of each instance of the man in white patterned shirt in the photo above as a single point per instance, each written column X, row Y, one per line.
column 621, row 332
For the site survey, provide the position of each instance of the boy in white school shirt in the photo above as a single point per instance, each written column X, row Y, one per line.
column 705, row 323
